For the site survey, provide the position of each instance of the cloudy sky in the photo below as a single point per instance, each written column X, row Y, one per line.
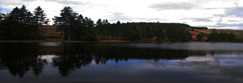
column 221, row 14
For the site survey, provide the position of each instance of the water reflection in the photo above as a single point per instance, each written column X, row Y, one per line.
column 123, row 59
column 227, row 65
column 19, row 58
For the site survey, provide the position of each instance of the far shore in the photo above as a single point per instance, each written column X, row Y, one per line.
column 102, row 41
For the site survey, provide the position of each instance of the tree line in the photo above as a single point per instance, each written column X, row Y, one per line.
column 144, row 31
column 75, row 27
column 222, row 36
column 21, row 24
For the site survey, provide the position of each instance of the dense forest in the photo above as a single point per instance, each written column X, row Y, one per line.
column 216, row 36
column 144, row 31
column 21, row 24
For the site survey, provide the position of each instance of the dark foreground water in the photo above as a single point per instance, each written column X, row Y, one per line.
column 55, row 62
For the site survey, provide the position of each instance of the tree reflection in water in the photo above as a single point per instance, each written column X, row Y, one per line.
column 71, row 57
column 18, row 58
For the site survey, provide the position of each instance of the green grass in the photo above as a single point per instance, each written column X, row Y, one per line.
column 238, row 35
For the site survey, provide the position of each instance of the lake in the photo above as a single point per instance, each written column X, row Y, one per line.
column 58, row 62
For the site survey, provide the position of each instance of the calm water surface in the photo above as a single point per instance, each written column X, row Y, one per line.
column 56, row 62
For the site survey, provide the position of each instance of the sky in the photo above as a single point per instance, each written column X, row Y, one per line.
column 218, row 14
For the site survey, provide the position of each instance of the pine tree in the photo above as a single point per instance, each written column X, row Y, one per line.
column 19, row 24
column 40, row 19
column 74, row 26
column 1, row 16
column 99, row 23
column 118, row 22
column 67, row 16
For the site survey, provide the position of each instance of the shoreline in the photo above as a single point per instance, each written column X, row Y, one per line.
column 105, row 41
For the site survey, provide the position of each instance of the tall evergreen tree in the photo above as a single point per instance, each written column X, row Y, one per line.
column 40, row 19
column 88, row 22
column 67, row 16
column 40, row 16
column 1, row 26
column 118, row 22
column 99, row 22
column 21, row 24
column 18, row 26
column 1, row 16
column 74, row 26
column 105, row 21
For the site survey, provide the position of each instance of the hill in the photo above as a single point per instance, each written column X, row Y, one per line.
column 145, row 32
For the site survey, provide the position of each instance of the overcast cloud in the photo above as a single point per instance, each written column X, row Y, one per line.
column 223, row 14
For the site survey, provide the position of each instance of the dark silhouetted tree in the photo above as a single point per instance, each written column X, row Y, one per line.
column 105, row 21
column 40, row 19
column 1, row 16
column 118, row 22
column 67, row 16
column 221, row 36
column 74, row 26
column 99, row 23
column 19, row 24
